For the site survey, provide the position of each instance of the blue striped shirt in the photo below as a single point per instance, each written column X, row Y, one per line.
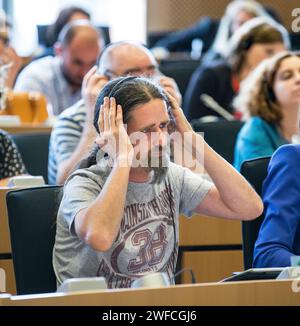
column 65, row 137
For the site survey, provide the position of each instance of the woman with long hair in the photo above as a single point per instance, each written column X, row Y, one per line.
column 269, row 100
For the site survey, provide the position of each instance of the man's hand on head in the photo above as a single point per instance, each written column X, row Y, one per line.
column 113, row 138
column 182, row 125
column 170, row 86
column 92, row 84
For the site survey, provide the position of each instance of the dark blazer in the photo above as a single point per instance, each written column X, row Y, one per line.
column 214, row 79
column 205, row 29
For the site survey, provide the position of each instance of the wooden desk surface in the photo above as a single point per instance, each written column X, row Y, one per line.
column 255, row 293
column 26, row 128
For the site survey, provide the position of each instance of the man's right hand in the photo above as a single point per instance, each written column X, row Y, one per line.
column 91, row 86
column 113, row 138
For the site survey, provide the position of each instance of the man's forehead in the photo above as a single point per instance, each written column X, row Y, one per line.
column 131, row 49
column 133, row 57
column 153, row 112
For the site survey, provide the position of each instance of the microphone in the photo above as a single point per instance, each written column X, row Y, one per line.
column 212, row 104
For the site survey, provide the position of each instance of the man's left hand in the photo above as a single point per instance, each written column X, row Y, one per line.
column 170, row 86
column 182, row 125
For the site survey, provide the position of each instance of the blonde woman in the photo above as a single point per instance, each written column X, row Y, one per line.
column 269, row 100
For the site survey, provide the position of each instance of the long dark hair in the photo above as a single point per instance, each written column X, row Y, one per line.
column 129, row 92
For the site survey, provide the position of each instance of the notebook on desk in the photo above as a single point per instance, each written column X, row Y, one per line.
column 255, row 274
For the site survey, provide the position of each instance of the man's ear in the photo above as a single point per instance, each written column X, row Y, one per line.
column 58, row 48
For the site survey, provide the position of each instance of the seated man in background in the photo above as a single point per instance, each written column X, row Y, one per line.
column 11, row 163
column 59, row 78
column 279, row 235
column 73, row 134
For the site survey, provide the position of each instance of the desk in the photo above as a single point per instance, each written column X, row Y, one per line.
column 209, row 231
column 212, row 247
column 26, row 128
column 255, row 293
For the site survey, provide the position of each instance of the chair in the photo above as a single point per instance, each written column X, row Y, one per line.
column 42, row 29
column 154, row 37
column 181, row 71
column 49, row 50
column 105, row 30
column 295, row 41
column 34, row 150
column 255, row 171
column 32, row 222
column 220, row 135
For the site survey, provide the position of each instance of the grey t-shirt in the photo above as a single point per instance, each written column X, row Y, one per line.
column 148, row 237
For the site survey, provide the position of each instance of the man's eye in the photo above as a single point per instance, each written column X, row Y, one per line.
column 164, row 125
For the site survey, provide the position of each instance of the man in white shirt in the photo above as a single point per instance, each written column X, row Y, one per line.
column 60, row 78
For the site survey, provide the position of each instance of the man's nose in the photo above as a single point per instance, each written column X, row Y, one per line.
column 159, row 138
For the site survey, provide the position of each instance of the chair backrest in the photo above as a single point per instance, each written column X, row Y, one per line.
column 32, row 222
column 255, row 171
column 220, row 135
column 154, row 37
column 295, row 41
column 180, row 70
column 105, row 30
column 42, row 29
column 34, row 150
column 41, row 34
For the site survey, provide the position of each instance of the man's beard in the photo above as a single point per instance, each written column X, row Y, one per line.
column 70, row 80
column 158, row 165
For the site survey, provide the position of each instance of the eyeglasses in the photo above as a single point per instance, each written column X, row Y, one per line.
column 147, row 72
